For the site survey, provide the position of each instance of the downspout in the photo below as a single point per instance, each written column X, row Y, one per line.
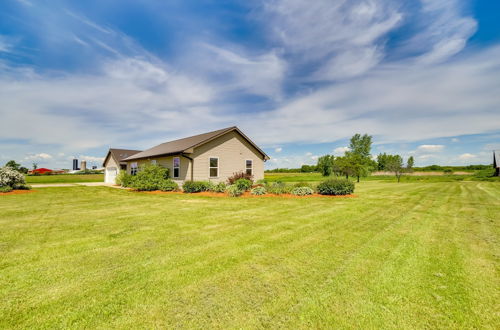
column 192, row 164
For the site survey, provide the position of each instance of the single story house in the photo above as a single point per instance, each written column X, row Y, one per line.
column 114, row 162
column 212, row 156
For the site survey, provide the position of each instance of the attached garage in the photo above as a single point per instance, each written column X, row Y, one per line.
column 113, row 163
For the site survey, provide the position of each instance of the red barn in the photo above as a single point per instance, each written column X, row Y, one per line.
column 42, row 170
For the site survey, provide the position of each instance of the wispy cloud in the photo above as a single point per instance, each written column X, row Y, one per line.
column 430, row 148
column 340, row 151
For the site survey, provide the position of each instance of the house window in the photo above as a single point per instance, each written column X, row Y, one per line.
column 177, row 167
column 248, row 166
column 153, row 161
column 214, row 167
column 133, row 168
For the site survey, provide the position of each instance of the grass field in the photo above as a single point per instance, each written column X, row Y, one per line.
column 398, row 256
column 317, row 177
column 64, row 178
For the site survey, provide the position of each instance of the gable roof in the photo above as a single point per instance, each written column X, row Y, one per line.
column 119, row 154
column 183, row 145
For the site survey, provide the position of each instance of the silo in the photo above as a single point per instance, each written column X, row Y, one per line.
column 84, row 165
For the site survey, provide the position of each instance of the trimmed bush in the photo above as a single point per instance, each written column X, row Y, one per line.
column 278, row 188
column 218, row 188
column 195, row 186
column 5, row 189
column 21, row 187
column 239, row 175
column 258, row 191
column 234, row 191
column 336, row 187
column 149, row 178
column 302, row 191
column 243, row 184
column 10, row 177
column 168, row 185
column 124, row 179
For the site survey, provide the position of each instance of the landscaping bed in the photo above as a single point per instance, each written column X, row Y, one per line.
column 17, row 192
column 244, row 195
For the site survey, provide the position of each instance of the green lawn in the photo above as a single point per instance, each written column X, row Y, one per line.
column 398, row 256
column 64, row 178
column 317, row 177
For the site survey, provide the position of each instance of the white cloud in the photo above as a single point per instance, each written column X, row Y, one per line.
column 455, row 140
column 278, row 149
column 466, row 156
column 235, row 70
column 5, row 45
column 308, row 153
column 453, row 99
column 430, row 148
column 41, row 156
column 91, row 158
column 446, row 29
column 340, row 151
column 340, row 34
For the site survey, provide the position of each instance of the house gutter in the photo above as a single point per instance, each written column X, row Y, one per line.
column 192, row 163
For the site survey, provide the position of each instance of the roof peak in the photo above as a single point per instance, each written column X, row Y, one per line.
column 181, row 145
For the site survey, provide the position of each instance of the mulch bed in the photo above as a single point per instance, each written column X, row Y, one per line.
column 18, row 192
column 245, row 195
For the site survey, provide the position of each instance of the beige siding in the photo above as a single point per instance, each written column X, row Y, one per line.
column 110, row 162
column 232, row 150
column 167, row 162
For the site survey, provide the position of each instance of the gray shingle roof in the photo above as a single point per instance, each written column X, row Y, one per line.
column 182, row 145
column 120, row 154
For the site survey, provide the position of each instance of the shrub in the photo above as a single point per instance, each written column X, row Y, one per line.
column 448, row 171
column 195, row 186
column 239, row 175
column 149, row 178
column 168, row 185
column 244, row 184
column 5, row 189
column 234, row 191
column 10, row 177
column 218, row 188
column 124, row 179
column 336, row 187
column 302, row 191
column 258, row 191
column 21, row 186
column 278, row 188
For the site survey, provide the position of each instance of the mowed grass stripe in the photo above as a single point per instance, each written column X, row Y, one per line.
column 108, row 258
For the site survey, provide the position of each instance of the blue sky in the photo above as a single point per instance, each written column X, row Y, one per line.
column 299, row 77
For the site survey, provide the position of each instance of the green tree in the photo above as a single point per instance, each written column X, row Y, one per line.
column 395, row 164
column 13, row 165
column 358, row 157
column 382, row 161
column 35, row 166
column 409, row 164
column 325, row 165
column 308, row 168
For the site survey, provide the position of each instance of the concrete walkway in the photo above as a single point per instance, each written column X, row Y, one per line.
column 73, row 184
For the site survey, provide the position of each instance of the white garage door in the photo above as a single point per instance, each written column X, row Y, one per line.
column 110, row 176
